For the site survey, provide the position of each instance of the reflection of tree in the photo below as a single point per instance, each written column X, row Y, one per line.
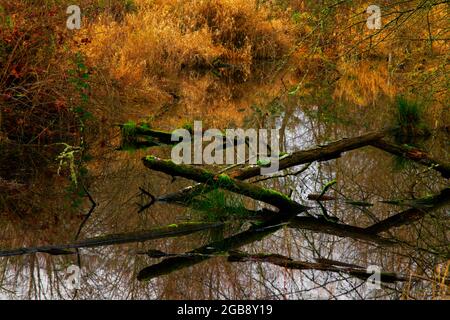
column 287, row 209
column 268, row 221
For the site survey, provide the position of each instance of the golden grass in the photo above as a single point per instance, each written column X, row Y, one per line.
column 197, row 50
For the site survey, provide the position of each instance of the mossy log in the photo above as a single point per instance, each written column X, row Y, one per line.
column 325, row 152
column 423, row 207
column 173, row 230
column 141, row 136
column 225, row 182
column 413, row 154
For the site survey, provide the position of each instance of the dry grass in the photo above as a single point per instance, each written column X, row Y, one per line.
column 199, row 51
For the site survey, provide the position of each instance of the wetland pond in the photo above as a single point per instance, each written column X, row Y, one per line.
column 92, row 207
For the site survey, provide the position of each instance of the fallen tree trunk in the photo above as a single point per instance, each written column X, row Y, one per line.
column 223, row 181
column 326, row 152
column 340, row 230
column 413, row 154
column 173, row 230
column 330, row 151
column 411, row 215
column 203, row 253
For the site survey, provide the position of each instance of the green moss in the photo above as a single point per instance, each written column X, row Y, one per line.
column 151, row 158
column 224, row 180
column 219, row 205
column 188, row 126
column 274, row 193
column 128, row 132
column 263, row 162
column 173, row 225
column 129, row 128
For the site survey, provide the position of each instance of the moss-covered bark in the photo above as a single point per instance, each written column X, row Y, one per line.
column 415, row 155
column 224, row 181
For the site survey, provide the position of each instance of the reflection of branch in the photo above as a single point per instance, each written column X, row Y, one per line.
column 296, row 173
column 289, row 263
column 272, row 197
column 172, row 230
column 149, row 204
column 86, row 218
column 203, row 253
column 255, row 233
column 325, row 152
column 325, row 265
column 88, row 215
column 161, row 254
column 338, row 229
column 408, row 216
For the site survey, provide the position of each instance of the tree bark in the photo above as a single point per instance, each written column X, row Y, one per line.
column 223, row 181
column 413, row 154
column 327, row 152
column 413, row 214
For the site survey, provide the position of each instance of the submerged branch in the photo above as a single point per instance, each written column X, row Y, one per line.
column 203, row 253
column 289, row 263
column 423, row 207
column 173, row 230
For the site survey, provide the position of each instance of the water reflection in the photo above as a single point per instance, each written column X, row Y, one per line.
column 365, row 177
